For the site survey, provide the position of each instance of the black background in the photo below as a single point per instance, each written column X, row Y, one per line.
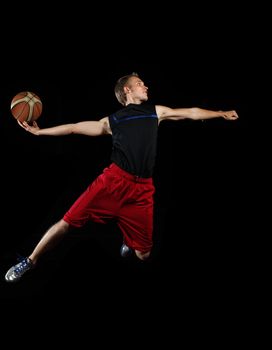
column 186, row 60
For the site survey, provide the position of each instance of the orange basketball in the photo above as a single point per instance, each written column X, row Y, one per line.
column 26, row 106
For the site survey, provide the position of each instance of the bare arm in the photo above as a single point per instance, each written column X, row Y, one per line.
column 89, row 128
column 195, row 113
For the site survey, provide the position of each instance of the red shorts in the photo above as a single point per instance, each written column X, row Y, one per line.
column 118, row 195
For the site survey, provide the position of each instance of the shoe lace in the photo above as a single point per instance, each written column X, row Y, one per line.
column 22, row 266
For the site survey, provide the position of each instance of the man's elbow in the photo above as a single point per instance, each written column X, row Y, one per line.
column 194, row 113
column 73, row 129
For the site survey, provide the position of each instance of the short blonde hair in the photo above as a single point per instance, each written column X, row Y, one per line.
column 119, row 87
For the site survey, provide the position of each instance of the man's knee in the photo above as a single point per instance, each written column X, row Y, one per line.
column 141, row 255
column 63, row 226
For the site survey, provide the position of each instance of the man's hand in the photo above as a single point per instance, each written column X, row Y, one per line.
column 230, row 115
column 33, row 129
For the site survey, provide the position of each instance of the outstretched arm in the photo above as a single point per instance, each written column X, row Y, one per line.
column 89, row 128
column 195, row 113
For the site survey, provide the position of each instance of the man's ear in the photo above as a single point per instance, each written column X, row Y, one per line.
column 126, row 89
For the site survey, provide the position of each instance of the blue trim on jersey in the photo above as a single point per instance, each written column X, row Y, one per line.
column 134, row 117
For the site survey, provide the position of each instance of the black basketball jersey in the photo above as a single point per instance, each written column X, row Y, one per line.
column 134, row 136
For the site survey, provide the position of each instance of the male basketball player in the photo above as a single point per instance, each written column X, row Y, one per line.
column 124, row 191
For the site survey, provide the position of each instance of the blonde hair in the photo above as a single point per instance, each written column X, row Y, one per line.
column 119, row 87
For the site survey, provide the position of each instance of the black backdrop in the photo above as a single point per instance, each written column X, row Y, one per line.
column 200, row 172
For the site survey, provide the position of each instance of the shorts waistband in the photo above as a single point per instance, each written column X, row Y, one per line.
column 115, row 168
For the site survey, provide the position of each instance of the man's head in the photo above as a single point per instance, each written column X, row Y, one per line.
column 130, row 89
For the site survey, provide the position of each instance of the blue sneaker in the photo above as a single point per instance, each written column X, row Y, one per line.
column 17, row 271
column 125, row 251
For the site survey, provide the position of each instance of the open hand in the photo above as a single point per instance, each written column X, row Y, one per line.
column 30, row 128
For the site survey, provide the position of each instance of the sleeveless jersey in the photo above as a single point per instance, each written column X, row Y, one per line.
column 134, row 138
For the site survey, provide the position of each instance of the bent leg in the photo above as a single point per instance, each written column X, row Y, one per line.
column 141, row 255
column 136, row 225
column 52, row 236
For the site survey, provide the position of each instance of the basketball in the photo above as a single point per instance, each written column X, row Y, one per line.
column 26, row 106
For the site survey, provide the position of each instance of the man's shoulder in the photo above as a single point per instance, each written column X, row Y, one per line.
column 134, row 109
